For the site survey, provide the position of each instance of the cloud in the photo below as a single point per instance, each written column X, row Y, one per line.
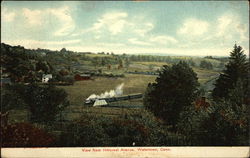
column 33, row 17
column 193, row 27
column 143, row 29
column 229, row 25
column 111, row 45
column 66, row 21
column 117, row 23
column 163, row 39
column 137, row 42
column 42, row 44
column 223, row 23
column 113, row 22
column 7, row 16
column 53, row 16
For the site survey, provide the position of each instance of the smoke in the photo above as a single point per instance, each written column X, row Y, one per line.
column 112, row 93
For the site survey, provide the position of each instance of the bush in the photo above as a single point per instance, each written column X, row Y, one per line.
column 84, row 132
column 142, row 129
column 220, row 124
column 25, row 135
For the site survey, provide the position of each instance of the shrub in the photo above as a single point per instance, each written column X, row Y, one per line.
column 25, row 135
column 142, row 129
column 220, row 124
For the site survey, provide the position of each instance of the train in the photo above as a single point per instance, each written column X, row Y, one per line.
column 114, row 99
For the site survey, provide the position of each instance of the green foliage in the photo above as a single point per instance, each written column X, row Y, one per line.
column 85, row 132
column 143, row 130
column 11, row 98
column 103, row 61
column 236, row 69
column 45, row 102
column 23, row 65
column 191, row 63
column 25, row 135
column 127, row 62
column 206, row 65
column 175, row 88
column 225, row 122
column 222, row 124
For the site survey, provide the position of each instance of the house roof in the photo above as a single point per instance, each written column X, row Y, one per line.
column 100, row 102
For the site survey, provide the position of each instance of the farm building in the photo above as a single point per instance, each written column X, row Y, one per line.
column 46, row 78
column 79, row 77
column 100, row 103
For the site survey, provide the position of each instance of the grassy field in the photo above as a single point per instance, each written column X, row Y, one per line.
column 81, row 90
column 133, row 83
column 97, row 55
column 77, row 93
column 204, row 75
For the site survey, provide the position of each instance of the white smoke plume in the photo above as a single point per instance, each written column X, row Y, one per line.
column 112, row 93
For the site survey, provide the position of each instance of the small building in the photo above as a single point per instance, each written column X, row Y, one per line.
column 46, row 78
column 100, row 103
column 79, row 77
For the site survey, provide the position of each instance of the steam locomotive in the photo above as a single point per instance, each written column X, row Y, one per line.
column 114, row 99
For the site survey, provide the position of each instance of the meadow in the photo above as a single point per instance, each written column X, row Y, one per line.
column 81, row 90
column 133, row 83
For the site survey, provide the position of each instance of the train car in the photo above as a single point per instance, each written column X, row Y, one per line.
column 114, row 99
column 135, row 96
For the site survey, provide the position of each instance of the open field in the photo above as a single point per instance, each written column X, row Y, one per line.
column 133, row 83
column 81, row 90
column 205, row 75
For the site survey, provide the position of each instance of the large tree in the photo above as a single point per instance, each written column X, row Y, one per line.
column 44, row 102
column 236, row 69
column 174, row 89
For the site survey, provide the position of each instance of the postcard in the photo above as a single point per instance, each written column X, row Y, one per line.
column 124, row 79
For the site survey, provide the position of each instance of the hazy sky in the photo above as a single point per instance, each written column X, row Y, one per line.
column 180, row 28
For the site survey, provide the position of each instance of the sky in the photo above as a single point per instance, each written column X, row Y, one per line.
column 192, row 28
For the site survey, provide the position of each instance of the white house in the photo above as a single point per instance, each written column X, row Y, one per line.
column 46, row 78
